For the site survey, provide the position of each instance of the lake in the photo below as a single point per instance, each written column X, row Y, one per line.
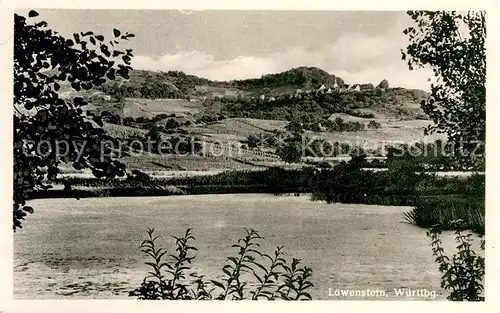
column 89, row 248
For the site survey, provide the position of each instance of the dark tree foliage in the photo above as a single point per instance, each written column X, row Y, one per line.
column 384, row 84
column 307, row 77
column 291, row 150
column 172, row 124
column 452, row 45
column 295, row 126
column 374, row 125
column 315, row 107
column 49, row 130
column 360, row 114
column 339, row 125
column 253, row 141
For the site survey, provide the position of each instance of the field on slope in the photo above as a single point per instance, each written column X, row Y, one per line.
column 226, row 92
column 119, row 131
column 395, row 132
column 240, row 127
column 231, row 131
column 149, row 108
column 392, row 129
column 155, row 162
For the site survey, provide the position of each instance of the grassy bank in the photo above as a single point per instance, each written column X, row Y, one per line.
column 96, row 192
column 441, row 211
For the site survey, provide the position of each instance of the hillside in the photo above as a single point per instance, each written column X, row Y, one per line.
column 300, row 77
column 226, row 114
column 177, row 84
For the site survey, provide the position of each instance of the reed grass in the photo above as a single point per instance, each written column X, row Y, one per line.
column 442, row 212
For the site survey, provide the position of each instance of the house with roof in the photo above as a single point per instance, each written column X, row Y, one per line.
column 353, row 87
column 368, row 86
column 335, row 84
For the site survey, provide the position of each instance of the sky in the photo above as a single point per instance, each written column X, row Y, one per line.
column 358, row 46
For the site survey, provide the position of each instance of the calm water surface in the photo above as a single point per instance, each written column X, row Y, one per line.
column 89, row 248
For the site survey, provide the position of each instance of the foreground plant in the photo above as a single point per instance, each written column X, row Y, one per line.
column 463, row 275
column 452, row 44
column 250, row 274
column 49, row 129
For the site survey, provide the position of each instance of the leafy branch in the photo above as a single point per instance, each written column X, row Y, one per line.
column 462, row 275
column 275, row 280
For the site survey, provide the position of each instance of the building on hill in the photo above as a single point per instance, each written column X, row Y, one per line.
column 298, row 93
column 272, row 99
column 335, row 84
column 322, row 88
column 367, row 86
column 350, row 87
column 354, row 87
column 262, row 97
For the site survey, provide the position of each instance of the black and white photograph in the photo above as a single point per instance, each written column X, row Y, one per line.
column 166, row 154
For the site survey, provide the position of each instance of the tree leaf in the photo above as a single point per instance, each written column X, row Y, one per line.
column 76, row 86
column 98, row 120
column 28, row 209
column 218, row 284
column 86, row 85
column 78, row 101
column 116, row 32
column 33, row 13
